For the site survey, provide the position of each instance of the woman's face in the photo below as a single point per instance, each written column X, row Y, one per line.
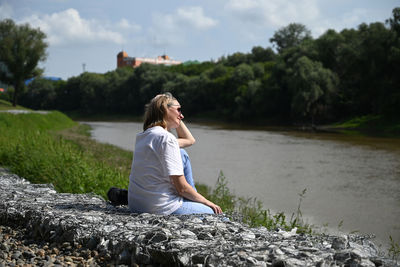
column 174, row 115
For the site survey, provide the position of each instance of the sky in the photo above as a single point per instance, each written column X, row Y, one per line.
column 87, row 35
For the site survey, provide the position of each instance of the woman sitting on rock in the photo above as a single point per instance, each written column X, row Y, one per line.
column 161, row 180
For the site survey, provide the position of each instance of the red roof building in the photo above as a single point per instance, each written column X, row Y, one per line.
column 124, row 60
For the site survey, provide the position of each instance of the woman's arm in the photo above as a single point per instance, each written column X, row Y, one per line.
column 185, row 137
column 185, row 190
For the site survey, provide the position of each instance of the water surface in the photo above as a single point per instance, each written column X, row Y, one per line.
column 353, row 180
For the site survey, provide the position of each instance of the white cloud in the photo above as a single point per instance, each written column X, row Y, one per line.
column 126, row 25
column 261, row 15
column 356, row 15
column 6, row 11
column 169, row 29
column 185, row 18
column 195, row 17
column 67, row 27
column 273, row 13
column 349, row 20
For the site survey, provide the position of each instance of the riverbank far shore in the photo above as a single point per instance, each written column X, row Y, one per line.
column 369, row 125
column 87, row 226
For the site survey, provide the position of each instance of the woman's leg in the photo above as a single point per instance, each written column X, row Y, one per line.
column 191, row 207
column 187, row 168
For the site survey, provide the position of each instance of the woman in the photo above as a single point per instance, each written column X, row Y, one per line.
column 161, row 177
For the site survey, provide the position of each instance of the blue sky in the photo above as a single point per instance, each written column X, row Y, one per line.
column 92, row 32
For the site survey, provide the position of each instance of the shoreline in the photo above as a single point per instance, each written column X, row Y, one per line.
column 363, row 127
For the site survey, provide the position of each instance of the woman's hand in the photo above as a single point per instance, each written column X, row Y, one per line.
column 217, row 209
column 185, row 190
column 185, row 137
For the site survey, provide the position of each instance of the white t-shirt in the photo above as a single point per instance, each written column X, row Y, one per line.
column 156, row 157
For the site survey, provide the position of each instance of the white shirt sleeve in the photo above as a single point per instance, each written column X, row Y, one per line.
column 172, row 156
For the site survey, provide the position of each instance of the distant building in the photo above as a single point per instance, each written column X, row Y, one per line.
column 50, row 78
column 124, row 60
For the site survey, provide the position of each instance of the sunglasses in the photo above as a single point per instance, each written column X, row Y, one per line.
column 178, row 109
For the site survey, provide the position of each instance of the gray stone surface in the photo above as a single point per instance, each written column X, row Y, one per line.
column 80, row 227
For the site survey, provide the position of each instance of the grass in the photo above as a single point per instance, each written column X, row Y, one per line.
column 33, row 147
column 370, row 125
column 109, row 155
column 5, row 105
column 79, row 116
column 394, row 250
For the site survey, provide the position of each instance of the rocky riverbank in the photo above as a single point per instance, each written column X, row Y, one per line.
column 40, row 227
column 19, row 249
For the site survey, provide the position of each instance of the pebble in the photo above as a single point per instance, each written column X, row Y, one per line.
column 40, row 227
column 24, row 253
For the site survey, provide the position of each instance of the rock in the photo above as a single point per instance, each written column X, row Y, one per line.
column 28, row 254
column 68, row 259
column 124, row 257
column 41, row 253
column 3, row 255
column 340, row 242
column 4, row 247
column 84, row 230
column 16, row 255
column 55, row 251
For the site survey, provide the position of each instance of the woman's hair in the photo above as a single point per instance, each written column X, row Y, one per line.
column 156, row 110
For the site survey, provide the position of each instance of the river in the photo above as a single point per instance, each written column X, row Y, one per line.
column 352, row 183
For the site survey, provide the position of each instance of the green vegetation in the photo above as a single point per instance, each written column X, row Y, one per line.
column 5, row 105
column 370, row 125
column 21, row 49
column 31, row 148
column 115, row 117
column 394, row 250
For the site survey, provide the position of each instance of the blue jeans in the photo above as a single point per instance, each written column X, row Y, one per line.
column 190, row 207
column 187, row 168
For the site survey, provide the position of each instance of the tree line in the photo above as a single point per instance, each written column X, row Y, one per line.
column 336, row 76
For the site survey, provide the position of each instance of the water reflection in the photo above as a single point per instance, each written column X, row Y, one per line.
column 351, row 179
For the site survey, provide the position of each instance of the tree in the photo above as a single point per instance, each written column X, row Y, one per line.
column 242, row 74
column 312, row 86
column 21, row 49
column 328, row 46
column 393, row 94
column 236, row 59
column 290, row 36
column 41, row 94
column 394, row 22
column 260, row 54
